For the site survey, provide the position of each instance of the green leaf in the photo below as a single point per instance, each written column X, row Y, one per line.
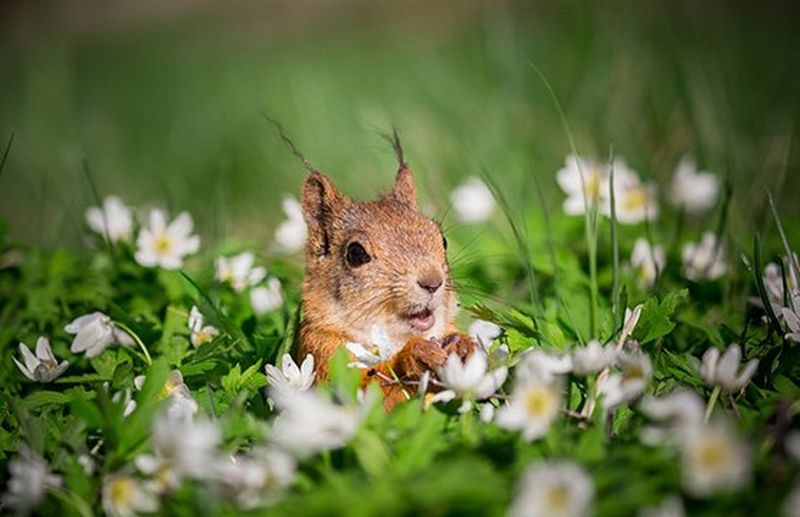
column 39, row 399
column 656, row 320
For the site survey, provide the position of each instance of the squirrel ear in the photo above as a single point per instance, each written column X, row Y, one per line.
column 321, row 199
column 405, row 188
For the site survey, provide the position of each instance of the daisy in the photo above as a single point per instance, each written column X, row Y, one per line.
column 200, row 333
column 472, row 201
column 724, row 371
column 634, row 201
column 289, row 377
column 126, row 496
column 469, row 380
column 238, row 271
column 692, row 190
column 290, row 235
column 94, row 332
column 705, row 260
column 647, row 262
column 553, row 489
column 533, row 407
column 166, row 245
column 264, row 299
column 714, row 459
column 42, row 367
column 114, row 221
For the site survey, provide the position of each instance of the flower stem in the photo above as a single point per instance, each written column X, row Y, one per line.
column 397, row 379
column 138, row 341
column 712, row 402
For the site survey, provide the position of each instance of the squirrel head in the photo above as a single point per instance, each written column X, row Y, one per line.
column 373, row 263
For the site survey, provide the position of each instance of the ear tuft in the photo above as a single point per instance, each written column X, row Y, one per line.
column 405, row 187
column 321, row 202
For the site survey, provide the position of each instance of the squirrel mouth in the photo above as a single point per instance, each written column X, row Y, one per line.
column 422, row 321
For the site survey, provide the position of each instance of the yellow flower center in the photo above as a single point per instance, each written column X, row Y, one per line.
column 539, row 401
column 558, row 498
column 162, row 244
column 712, row 455
column 168, row 388
column 633, row 370
column 121, row 491
column 593, row 183
column 635, row 199
column 374, row 350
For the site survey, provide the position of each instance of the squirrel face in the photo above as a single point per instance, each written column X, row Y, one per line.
column 374, row 263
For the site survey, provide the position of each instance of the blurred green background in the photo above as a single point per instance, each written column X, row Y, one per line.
column 163, row 100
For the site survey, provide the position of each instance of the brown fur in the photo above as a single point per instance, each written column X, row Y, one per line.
column 341, row 304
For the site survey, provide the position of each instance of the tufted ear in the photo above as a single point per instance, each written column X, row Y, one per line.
column 321, row 202
column 405, row 187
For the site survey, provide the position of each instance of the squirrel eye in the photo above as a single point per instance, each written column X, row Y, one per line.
column 356, row 255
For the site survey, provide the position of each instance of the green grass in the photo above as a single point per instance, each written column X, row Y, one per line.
column 171, row 114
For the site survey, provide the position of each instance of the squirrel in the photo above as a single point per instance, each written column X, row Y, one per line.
column 377, row 263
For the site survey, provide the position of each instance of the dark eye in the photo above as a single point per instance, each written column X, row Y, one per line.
column 356, row 255
column 444, row 242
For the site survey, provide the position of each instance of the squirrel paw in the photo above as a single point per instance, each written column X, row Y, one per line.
column 418, row 356
column 459, row 344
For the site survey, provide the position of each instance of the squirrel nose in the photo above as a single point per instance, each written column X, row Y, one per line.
column 430, row 281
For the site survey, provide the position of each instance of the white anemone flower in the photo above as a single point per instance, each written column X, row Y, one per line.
column 593, row 357
column 486, row 412
column 629, row 383
column 380, row 349
column 472, row 201
column 125, row 496
column 264, row 299
column 484, row 332
column 540, row 365
column 776, row 282
column 714, row 459
column 647, row 262
column 706, row 260
column 182, row 447
column 692, row 190
column 166, row 245
column 634, row 201
column 29, row 479
column 469, row 380
column 238, row 271
column 94, row 332
column 181, row 402
column 125, row 397
column 791, row 317
column 553, row 489
column 675, row 412
column 256, row 479
column 584, row 182
column 289, row 377
column 114, row 221
column 309, row 423
column 42, row 367
column 533, row 407
column 291, row 234
column 724, row 371
column 200, row 333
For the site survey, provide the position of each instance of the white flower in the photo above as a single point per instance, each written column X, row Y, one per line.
column 706, row 260
column 309, row 423
column 484, row 332
column 380, row 348
column 634, row 201
column 114, row 221
column 791, row 505
column 166, row 245
column 469, row 380
column 676, row 412
column 239, row 271
column 647, row 262
column 126, row 496
column 181, row 447
column 584, row 181
column 553, row 489
column 256, row 479
column 671, row 506
column 792, row 445
column 94, row 332
column 126, row 399
column 486, row 412
column 542, row 366
column 714, row 458
column 43, row 367
column 200, row 333
column 291, row 233
column 692, row 190
column 774, row 285
column 635, row 372
column 86, row 461
column 289, row 377
column 267, row 298
column 534, row 405
column 792, row 320
column 472, row 201
column 593, row 357
column 182, row 404
column 30, row 478
column 724, row 372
